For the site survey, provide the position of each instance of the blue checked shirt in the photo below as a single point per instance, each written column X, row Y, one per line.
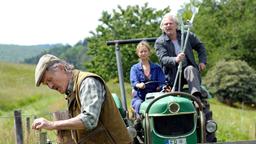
column 92, row 95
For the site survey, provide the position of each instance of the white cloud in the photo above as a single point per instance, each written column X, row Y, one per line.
column 27, row 22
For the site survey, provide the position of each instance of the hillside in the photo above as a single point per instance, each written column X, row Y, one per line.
column 17, row 53
column 19, row 92
column 18, row 88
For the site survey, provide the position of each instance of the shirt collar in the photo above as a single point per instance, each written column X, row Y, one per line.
column 166, row 38
column 150, row 63
column 70, row 87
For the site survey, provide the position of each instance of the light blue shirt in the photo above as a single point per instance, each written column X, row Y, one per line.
column 176, row 46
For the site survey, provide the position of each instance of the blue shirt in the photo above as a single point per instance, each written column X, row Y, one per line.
column 137, row 76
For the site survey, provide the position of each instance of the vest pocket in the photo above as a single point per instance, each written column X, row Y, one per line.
column 97, row 136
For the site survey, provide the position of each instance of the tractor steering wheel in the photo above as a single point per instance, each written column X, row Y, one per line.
column 165, row 88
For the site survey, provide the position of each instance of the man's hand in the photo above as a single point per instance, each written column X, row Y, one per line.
column 180, row 57
column 42, row 123
column 202, row 66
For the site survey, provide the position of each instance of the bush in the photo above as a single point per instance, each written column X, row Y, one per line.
column 232, row 81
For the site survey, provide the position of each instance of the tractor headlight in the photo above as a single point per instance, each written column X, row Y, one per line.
column 132, row 132
column 211, row 126
column 174, row 107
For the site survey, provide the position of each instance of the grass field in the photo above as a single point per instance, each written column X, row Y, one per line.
column 18, row 92
column 234, row 124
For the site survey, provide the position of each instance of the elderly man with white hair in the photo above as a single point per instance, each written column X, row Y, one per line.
column 168, row 50
column 170, row 54
column 94, row 117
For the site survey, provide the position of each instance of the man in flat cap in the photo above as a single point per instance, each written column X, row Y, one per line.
column 95, row 118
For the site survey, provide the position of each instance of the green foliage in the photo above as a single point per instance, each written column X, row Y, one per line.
column 75, row 55
column 227, row 29
column 57, row 50
column 17, row 53
column 130, row 23
column 232, row 81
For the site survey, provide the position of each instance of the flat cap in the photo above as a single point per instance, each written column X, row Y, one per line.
column 41, row 66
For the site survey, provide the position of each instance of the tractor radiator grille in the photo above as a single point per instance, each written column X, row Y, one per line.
column 175, row 125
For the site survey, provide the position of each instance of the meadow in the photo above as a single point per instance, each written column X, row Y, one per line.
column 18, row 92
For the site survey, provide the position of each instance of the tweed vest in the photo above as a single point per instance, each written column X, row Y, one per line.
column 110, row 129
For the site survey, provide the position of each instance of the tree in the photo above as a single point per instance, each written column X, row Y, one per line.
column 130, row 23
column 76, row 55
column 56, row 49
column 227, row 29
column 232, row 81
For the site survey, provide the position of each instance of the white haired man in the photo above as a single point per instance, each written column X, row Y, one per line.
column 168, row 50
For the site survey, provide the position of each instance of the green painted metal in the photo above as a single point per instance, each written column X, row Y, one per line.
column 161, row 109
column 119, row 105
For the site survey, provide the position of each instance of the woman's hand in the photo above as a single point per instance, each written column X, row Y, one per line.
column 140, row 85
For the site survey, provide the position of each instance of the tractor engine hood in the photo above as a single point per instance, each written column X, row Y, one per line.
column 170, row 105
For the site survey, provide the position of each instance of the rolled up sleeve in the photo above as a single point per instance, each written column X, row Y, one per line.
column 92, row 95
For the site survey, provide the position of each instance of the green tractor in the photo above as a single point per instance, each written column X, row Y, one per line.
column 167, row 117
column 175, row 117
column 171, row 118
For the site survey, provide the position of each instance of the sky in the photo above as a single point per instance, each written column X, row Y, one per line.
column 31, row 22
